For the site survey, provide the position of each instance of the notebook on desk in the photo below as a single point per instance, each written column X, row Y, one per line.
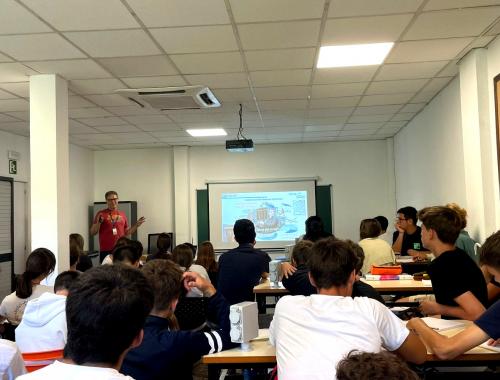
column 439, row 324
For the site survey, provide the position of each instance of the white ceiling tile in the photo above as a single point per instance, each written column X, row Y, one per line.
column 131, row 109
column 480, row 42
column 230, row 80
column 395, row 86
column 75, row 101
column 14, row 105
column 139, row 66
column 328, row 112
column 279, row 34
column 15, row 72
column 208, row 63
column 285, row 129
column 204, row 118
column 95, row 86
column 147, row 119
column 169, row 133
column 395, row 124
column 424, row 96
column 233, row 94
column 97, row 138
column 282, row 123
column 364, row 29
column 323, row 129
column 355, row 126
column 339, row 89
column 452, row 23
column 158, row 128
column 396, row 71
column 280, row 78
column 21, row 115
column 19, row 128
column 412, row 107
column 76, row 128
column 5, row 117
column 283, row 92
column 83, row 15
column 283, row 104
column 335, row 102
column 377, row 110
column 345, row 74
column 296, row 115
column 369, row 118
column 33, row 47
column 378, row 100
column 326, row 121
column 156, row 13
column 356, row 132
column 102, row 121
column 15, row 19
column 280, row 59
column 155, row 81
column 88, row 112
column 109, row 100
column 436, row 84
column 427, row 50
column 342, row 8
column 404, row 116
column 4, row 58
column 117, row 128
column 20, row 89
column 265, row 10
column 7, row 95
column 71, row 69
column 449, row 4
column 114, row 43
column 494, row 30
column 450, row 70
column 197, row 39
column 389, row 131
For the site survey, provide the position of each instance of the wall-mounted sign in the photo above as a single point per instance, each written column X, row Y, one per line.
column 12, row 166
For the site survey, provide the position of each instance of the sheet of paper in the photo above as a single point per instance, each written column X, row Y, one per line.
column 439, row 324
column 491, row 348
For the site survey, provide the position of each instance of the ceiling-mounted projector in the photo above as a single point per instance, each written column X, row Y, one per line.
column 239, row 146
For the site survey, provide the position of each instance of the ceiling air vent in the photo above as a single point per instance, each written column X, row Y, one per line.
column 172, row 98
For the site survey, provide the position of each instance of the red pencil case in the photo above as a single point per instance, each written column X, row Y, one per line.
column 386, row 269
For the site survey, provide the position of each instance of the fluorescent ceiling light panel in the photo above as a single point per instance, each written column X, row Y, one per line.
column 353, row 55
column 207, row 132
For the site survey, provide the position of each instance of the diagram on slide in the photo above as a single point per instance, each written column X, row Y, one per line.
column 277, row 216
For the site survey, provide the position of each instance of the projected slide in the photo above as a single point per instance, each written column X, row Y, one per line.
column 277, row 215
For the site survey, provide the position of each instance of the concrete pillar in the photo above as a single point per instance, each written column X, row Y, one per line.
column 50, row 208
column 182, row 204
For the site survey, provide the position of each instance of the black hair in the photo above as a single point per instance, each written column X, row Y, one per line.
column 331, row 263
column 126, row 253
column 301, row 252
column 163, row 242
column 315, row 229
column 110, row 192
column 409, row 213
column 40, row 262
column 183, row 255
column 105, row 310
column 65, row 280
column 490, row 251
column 384, row 223
column 444, row 220
column 369, row 228
column 244, row 231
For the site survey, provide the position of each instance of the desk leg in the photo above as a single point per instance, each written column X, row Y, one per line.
column 261, row 303
column 213, row 372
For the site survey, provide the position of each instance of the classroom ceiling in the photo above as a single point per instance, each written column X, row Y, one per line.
column 260, row 53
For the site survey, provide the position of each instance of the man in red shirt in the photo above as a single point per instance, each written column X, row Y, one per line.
column 111, row 224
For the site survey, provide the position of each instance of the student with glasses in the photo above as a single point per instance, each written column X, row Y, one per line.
column 111, row 224
column 407, row 239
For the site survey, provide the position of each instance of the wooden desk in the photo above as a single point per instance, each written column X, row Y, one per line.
column 265, row 289
column 400, row 287
column 263, row 355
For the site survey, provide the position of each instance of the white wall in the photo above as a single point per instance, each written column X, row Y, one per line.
column 357, row 172
column 81, row 189
column 142, row 175
column 429, row 161
column 9, row 141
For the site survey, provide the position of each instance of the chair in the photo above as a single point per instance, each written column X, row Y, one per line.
column 477, row 247
column 37, row 360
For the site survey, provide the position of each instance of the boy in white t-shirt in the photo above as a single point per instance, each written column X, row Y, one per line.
column 324, row 327
column 105, row 311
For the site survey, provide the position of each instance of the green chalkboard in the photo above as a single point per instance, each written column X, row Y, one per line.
column 323, row 210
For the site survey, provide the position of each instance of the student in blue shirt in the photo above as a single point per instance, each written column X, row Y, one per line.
column 485, row 328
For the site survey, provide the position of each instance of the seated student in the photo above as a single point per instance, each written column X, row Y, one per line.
column 163, row 243
column 487, row 326
column 206, row 258
column 164, row 352
column 377, row 251
column 315, row 230
column 183, row 255
column 11, row 361
column 299, row 283
column 241, row 268
column 43, row 327
column 370, row 366
column 127, row 255
column 40, row 263
column 105, row 309
column 457, row 282
column 76, row 243
column 407, row 239
column 108, row 260
column 384, row 223
column 312, row 334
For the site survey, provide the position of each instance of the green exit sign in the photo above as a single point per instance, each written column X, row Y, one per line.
column 12, row 166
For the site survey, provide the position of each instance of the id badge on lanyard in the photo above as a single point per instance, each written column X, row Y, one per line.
column 113, row 223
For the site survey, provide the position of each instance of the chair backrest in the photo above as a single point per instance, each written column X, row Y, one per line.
column 37, row 360
column 477, row 246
